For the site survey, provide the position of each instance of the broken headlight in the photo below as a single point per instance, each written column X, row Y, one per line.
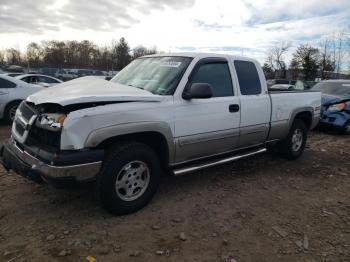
column 336, row 107
column 51, row 121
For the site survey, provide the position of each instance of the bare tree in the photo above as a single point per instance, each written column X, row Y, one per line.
column 34, row 54
column 326, row 62
column 2, row 57
column 13, row 56
column 276, row 56
column 54, row 53
column 78, row 54
column 340, row 43
column 141, row 51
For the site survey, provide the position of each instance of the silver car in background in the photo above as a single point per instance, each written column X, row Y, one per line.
column 12, row 92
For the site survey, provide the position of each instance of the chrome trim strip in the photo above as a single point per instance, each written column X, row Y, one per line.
column 218, row 162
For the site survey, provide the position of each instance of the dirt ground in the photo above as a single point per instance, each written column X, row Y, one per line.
column 259, row 209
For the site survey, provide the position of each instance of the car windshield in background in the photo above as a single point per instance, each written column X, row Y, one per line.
column 333, row 88
column 159, row 75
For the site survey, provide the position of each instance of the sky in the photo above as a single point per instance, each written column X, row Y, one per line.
column 244, row 27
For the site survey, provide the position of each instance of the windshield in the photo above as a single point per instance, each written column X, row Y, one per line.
column 333, row 88
column 159, row 75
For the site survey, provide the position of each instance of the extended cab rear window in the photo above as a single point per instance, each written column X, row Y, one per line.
column 248, row 77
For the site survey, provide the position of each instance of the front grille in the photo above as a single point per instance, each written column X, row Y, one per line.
column 19, row 128
column 27, row 110
column 36, row 136
column 44, row 138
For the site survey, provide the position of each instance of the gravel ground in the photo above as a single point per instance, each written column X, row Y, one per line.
column 260, row 209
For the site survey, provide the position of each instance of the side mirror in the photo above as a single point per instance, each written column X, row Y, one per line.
column 198, row 90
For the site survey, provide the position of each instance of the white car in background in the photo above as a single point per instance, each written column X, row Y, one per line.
column 12, row 92
column 65, row 74
column 37, row 79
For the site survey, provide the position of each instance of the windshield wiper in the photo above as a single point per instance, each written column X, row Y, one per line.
column 142, row 88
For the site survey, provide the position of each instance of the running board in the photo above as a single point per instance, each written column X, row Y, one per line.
column 216, row 162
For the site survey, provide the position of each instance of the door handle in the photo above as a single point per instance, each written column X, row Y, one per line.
column 233, row 108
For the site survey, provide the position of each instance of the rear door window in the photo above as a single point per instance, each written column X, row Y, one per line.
column 248, row 77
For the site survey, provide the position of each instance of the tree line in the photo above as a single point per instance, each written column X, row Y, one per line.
column 75, row 54
column 329, row 55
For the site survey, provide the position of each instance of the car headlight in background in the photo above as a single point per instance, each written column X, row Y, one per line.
column 51, row 121
column 336, row 107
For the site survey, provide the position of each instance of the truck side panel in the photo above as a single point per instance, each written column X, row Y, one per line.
column 286, row 105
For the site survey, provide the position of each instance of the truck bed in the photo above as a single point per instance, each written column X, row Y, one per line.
column 286, row 104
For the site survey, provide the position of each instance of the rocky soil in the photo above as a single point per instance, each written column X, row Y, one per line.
column 259, row 209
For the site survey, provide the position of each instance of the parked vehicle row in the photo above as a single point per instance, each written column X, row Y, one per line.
column 69, row 74
column 283, row 84
column 163, row 113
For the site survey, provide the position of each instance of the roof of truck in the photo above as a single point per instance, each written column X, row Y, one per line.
column 203, row 55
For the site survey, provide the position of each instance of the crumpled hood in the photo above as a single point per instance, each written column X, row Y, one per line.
column 333, row 99
column 91, row 89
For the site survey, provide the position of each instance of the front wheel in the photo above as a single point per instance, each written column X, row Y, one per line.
column 346, row 128
column 293, row 146
column 129, row 178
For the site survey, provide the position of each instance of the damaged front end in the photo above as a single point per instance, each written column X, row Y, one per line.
column 34, row 148
column 37, row 126
column 336, row 115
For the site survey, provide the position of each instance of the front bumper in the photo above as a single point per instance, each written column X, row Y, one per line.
column 15, row 158
column 337, row 120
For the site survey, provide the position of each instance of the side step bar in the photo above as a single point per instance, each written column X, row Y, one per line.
column 216, row 162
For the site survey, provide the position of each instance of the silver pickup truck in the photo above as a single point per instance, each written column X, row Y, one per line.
column 164, row 113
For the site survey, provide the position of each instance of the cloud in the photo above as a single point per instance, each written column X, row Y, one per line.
column 246, row 27
column 23, row 16
column 209, row 26
column 267, row 11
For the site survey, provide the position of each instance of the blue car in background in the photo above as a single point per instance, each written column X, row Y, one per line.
column 335, row 111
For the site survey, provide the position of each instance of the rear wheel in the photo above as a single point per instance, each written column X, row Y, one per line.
column 129, row 178
column 10, row 111
column 293, row 146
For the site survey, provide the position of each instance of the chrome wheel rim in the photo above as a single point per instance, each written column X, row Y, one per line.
column 12, row 112
column 297, row 140
column 132, row 180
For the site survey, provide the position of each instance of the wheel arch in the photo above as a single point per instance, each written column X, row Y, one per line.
column 156, row 135
column 303, row 114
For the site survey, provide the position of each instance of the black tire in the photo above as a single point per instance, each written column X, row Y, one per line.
column 114, row 166
column 346, row 129
column 287, row 147
column 8, row 111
